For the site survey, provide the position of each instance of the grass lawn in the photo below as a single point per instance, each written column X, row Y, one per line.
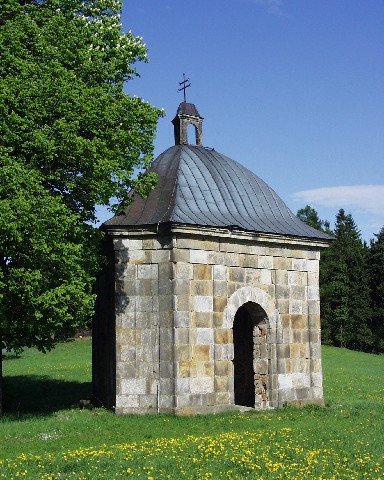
column 44, row 435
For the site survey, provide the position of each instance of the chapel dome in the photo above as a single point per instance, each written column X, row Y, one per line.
column 202, row 187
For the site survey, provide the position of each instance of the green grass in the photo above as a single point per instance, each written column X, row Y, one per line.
column 44, row 435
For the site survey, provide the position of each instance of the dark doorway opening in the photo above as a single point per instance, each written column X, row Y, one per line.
column 243, row 358
column 251, row 352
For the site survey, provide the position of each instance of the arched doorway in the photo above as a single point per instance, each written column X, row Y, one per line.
column 251, row 356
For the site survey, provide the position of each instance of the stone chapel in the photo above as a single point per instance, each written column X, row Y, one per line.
column 210, row 298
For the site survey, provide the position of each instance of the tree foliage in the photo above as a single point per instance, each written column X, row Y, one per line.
column 45, row 285
column 311, row 217
column 63, row 107
column 70, row 138
column 376, row 277
column 351, row 285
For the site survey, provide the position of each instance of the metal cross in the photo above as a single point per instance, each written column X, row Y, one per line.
column 184, row 85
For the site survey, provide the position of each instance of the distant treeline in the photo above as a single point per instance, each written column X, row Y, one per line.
column 351, row 284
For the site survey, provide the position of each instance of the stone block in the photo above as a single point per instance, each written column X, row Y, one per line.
column 296, row 307
column 313, row 307
column 184, row 271
column 204, row 336
column 300, row 264
column 218, row 318
column 127, row 401
column 282, row 263
column 223, row 368
column 283, row 351
column 182, row 353
column 166, row 352
column 133, row 386
column 313, row 279
column 315, row 336
column 181, row 286
column 202, row 385
column 203, row 303
column 313, row 293
column 166, row 403
column 284, row 381
column 281, row 277
column 182, row 386
column 265, row 261
column 181, row 319
column 314, row 321
column 147, row 271
column 201, row 287
column 236, row 274
column 202, row 272
column 166, row 367
column 298, row 350
column 216, row 258
column 299, row 321
column 234, row 246
column 165, row 272
column 160, row 256
column 180, row 255
column 282, row 305
column 128, row 320
column 224, row 352
column 221, row 384
column 223, row 335
column 201, row 353
column 219, row 272
column 282, row 291
column 205, row 369
column 220, row 288
column 181, row 336
column 231, row 259
column 265, row 276
column 313, row 266
column 182, row 303
column 198, row 256
column 165, row 304
column 223, row 398
column 201, row 319
column 219, row 303
column 297, row 278
column 248, row 261
column 165, row 286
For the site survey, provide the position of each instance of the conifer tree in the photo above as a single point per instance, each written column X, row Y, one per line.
column 344, row 288
column 376, row 274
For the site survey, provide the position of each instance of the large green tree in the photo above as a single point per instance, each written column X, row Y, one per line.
column 63, row 109
column 70, row 138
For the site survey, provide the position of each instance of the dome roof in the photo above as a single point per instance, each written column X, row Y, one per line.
column 199, row 186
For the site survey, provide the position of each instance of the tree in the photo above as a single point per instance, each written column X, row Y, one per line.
column 45, row 285
column 376, row 277
column 63, row 107
column 344, row 288
column 309, row 216
column 73, row 139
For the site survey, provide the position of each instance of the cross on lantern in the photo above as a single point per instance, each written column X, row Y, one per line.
column 184, row 85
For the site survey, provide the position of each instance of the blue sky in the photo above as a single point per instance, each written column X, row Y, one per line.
column 293, row 90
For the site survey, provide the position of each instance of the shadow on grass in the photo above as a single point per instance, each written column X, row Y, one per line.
column 24, row 395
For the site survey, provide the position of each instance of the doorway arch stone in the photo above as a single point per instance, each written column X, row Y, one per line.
column 253, row 318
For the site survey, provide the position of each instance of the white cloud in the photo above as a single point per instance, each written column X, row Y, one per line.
column 366, row 198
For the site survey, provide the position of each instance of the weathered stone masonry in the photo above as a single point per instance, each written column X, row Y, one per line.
column 210, row 298
column 177, row 295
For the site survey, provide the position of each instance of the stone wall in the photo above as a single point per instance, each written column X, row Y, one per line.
column 176, row 298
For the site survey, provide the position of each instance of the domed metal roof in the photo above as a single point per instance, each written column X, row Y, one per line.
column 199, row 186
